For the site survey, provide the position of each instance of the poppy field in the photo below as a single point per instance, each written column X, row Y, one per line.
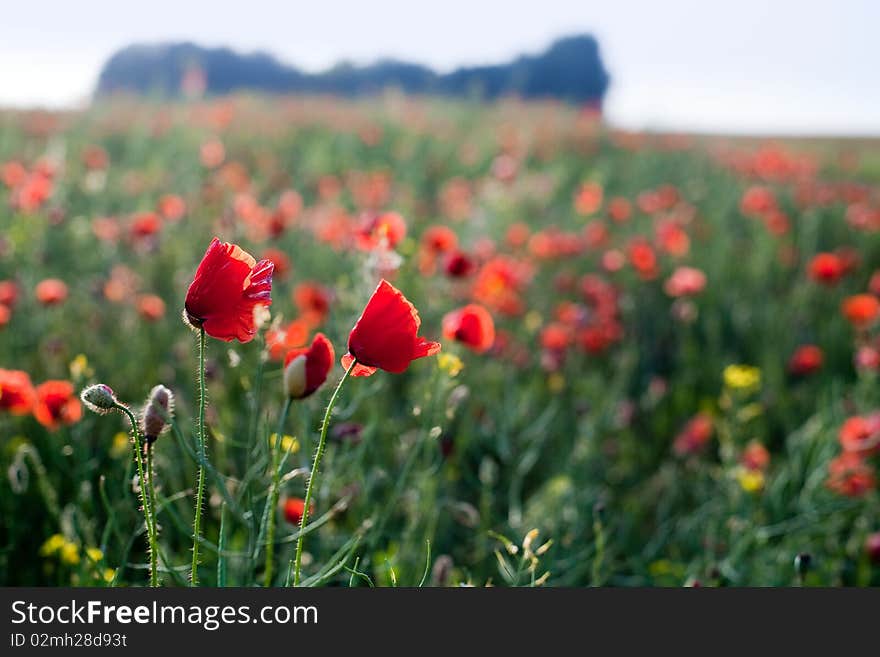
column 409, row 342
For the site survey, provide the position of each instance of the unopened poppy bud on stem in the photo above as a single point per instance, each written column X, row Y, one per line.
column 305, row 370
column 157, row 412
column 99, row 398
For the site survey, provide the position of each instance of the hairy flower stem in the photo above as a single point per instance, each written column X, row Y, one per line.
column 200, row 489
column 149, row 519
column 273, row 496
column 319, row 452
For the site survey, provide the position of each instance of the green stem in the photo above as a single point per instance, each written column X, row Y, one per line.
column 145, row 496
column 200, row 490
column 151, row 491
column 273, row 496
column 314, row 472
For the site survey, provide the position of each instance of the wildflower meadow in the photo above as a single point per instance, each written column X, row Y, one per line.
column 423, row 342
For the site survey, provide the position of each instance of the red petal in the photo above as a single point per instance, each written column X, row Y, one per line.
column 359, row 370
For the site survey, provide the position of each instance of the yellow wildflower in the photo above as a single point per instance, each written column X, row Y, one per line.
column 449, row 363
column 52, row 545
column 742, row 377
column 94, row 554
column 751, row 481
column 79, row 368
column 288, row 443
column 120, row 445
column 69, row 553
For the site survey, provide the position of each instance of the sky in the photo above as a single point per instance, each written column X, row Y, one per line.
column 753, row 67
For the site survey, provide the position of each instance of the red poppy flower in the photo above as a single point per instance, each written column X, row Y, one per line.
column 16, row 392
column 826, row 268
column 51, row 291
column 694, row 436
column 385, row 336
column 281, row 340
column 306, row 369
column 755, row 456
column 386, row 230
column 228, row 285
column 850, row 475
column 806, row 359
column 56, row 404
column 279, row 259
column 471, row 325
column 313, row 301
column 8, row 293
column 293, row 509
column 685, row 282
column 172, row 207
column 151, row 307
column 860, row 434
column 861, row 309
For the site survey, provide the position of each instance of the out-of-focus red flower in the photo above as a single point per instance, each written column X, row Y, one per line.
column 212, row 154
column 672, row 238
column 145, row 224
column 386, row 334
column 471, row 325
column 384, row 230
column 588, row 198
column 8, row 293
column 56, row 404
column 151, row 307
column 281, row 340
column 806, row 360
column 106, row 229
column 596, row 234
column 757, row 200
column 459, row 265
column 172, row 207
column 555, row 336
column 755, row 456
column 439, row 239
column 229, row 284
column 643, row 259
column 278, row 258
column 695, row 435
column 850, row 475
column 499, row 283
column 867, row 357
column 313, row 301
column 5, row 315
column 860, row 433
column 306, row 369
column 619, row 209
column 16, row 392
column 517, row 235
column 826, row 268
column 685, row 282
column 13, row 174
column 861, row 309
column 613, row 260
column 95, row 158
column 51, row 291
column 293, row 509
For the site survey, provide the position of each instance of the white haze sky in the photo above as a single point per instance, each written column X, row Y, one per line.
column 771, row 66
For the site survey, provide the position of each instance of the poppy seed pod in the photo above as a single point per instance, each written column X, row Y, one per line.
column 99, row 398
column 157, row 412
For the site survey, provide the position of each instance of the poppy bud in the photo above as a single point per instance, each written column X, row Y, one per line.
column 99, row 398
column 305, row 370
column 157, row 412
